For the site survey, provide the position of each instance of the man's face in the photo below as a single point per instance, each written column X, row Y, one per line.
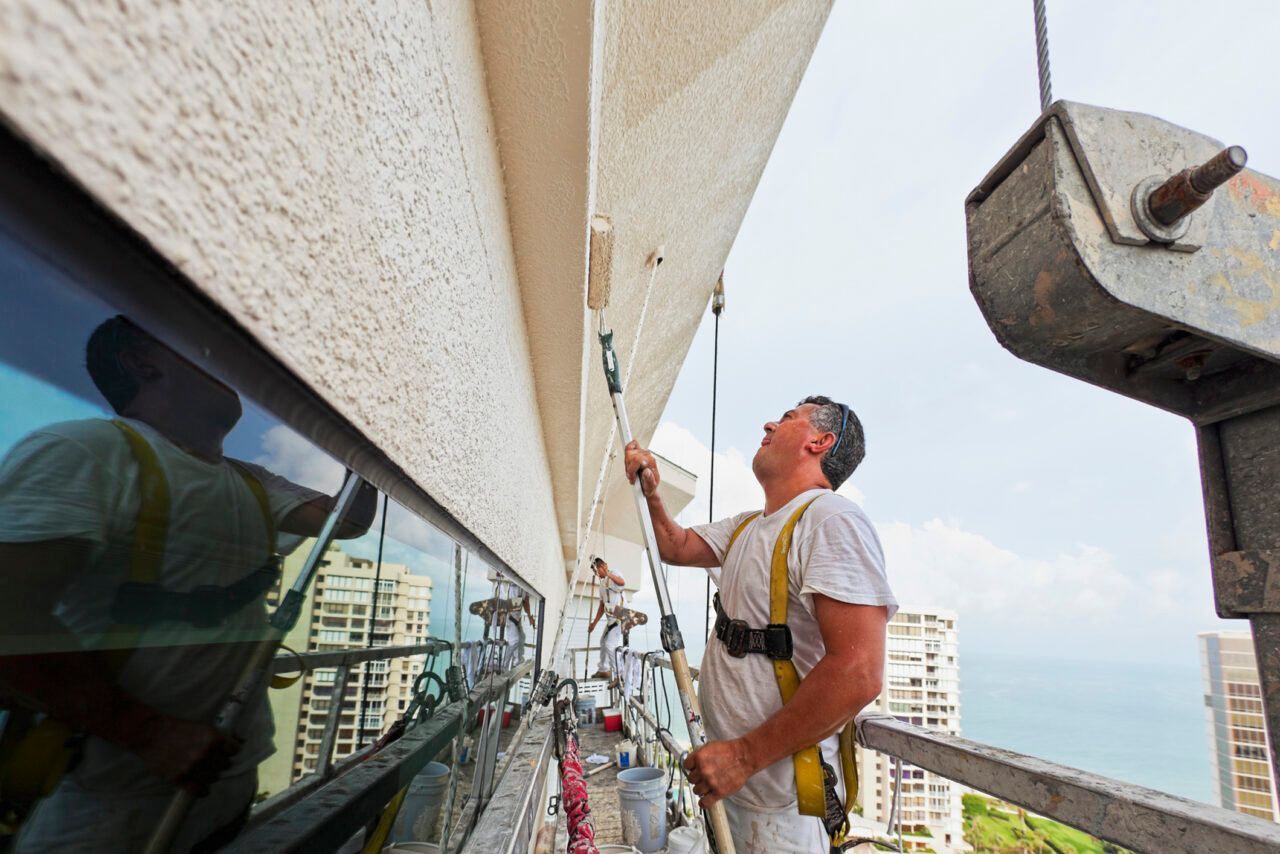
column 186, row 387
column 787, row 442
column 601, row 569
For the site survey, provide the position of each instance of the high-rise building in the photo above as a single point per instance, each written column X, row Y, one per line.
column 339, row 617
column 921, row 686
column 1242, row 776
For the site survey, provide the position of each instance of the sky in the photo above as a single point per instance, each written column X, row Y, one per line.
column 1059, row 519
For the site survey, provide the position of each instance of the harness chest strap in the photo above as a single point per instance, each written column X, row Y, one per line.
column 150, row 531
column 810, row 783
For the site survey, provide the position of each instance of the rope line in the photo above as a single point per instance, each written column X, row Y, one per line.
column 1042, row 53
column 573, row 799
column 562, row 636
column 711, row 488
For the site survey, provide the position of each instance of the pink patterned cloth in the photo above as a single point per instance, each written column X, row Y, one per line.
column 573, row 798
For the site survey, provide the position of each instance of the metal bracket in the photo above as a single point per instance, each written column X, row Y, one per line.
column 1246, row 583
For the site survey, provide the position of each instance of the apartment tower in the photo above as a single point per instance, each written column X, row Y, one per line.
column 921, row 686
column 1242, row 777
column 339, row 616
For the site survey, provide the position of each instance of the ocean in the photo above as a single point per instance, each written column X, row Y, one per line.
column 1141, row 723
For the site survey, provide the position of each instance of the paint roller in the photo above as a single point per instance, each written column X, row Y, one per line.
column 600, row 264
column 600, row 269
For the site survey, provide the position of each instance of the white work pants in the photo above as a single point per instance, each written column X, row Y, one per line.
column 608, row 646
column 514, row 653
column 775, row 832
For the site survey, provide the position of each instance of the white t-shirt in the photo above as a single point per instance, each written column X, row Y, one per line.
column 80, row 480
column 835, row 552
column 613, row 595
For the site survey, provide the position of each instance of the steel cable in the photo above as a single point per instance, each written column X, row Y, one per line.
column 1042, row 54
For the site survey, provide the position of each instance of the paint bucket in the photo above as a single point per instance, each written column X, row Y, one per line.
column 421, row 807
column 613, row 720
column 506, row 717
column 686, row 840
column 642, row 794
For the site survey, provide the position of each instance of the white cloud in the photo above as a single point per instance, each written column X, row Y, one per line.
column 289, row 455
column 940, row 564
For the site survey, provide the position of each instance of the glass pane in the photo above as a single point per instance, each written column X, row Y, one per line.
column 150, row 519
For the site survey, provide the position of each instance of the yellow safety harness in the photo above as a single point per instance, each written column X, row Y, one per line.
column 815, row 781
column 40, row 757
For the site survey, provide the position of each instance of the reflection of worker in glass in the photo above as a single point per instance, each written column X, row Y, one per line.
column 613, row 601
column 507, row 623
column 135, row 561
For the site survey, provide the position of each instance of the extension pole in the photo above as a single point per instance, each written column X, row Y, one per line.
column 255, row 670
column 672, row 641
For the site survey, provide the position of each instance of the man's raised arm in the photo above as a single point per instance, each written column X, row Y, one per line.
column 675, row 544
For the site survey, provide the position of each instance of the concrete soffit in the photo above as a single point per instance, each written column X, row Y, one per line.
column 662, row 116
column 539, row 62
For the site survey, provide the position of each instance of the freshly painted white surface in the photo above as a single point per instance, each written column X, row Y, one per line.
column 327, row 172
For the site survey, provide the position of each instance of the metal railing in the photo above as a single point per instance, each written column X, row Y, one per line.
column 335, row 808
column 326, row 768
column 1125, row 814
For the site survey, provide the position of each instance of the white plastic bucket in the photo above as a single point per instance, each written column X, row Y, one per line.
column 642, row 793
column 626, row 754
column 686, row 840
column 421, row 808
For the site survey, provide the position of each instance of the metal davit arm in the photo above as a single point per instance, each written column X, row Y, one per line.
column 1087, row 258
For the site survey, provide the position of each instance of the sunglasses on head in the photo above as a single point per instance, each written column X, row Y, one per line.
column 844, row 422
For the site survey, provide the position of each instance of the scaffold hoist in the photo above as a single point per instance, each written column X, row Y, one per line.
column 1143, row 257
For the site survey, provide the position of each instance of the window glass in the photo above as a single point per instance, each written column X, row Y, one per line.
column 152, row 523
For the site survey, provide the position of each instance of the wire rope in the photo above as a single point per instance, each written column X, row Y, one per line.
column 1042, row 53
column 560, row 647
column 717, row 306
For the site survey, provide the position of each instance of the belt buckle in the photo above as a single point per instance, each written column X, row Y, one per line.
column 735, row 638
column 778, row 641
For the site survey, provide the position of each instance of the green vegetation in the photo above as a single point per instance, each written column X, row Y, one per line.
column 993, row 827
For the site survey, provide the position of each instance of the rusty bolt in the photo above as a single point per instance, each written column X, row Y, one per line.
column 1191, row 188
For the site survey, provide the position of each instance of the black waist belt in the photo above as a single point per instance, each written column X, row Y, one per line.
column 206, row 606
column 774, row 640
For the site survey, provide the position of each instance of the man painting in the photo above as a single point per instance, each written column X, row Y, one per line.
column 838, row 604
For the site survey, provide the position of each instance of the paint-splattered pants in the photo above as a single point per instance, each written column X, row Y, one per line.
column 775, row 832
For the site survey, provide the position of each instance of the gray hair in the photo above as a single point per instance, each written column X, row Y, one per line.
column 827, row 418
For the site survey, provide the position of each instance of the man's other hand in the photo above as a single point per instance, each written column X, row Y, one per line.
column 189, row 754
column 718, row 769
column 638, row 459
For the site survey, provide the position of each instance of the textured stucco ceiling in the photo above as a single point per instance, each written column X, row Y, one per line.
column 671, row 130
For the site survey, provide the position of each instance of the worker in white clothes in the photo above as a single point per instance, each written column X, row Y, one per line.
column 826, row 634
column 508, row 626
column 613, row 601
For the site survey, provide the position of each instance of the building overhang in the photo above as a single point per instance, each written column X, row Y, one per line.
column 660, row 117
